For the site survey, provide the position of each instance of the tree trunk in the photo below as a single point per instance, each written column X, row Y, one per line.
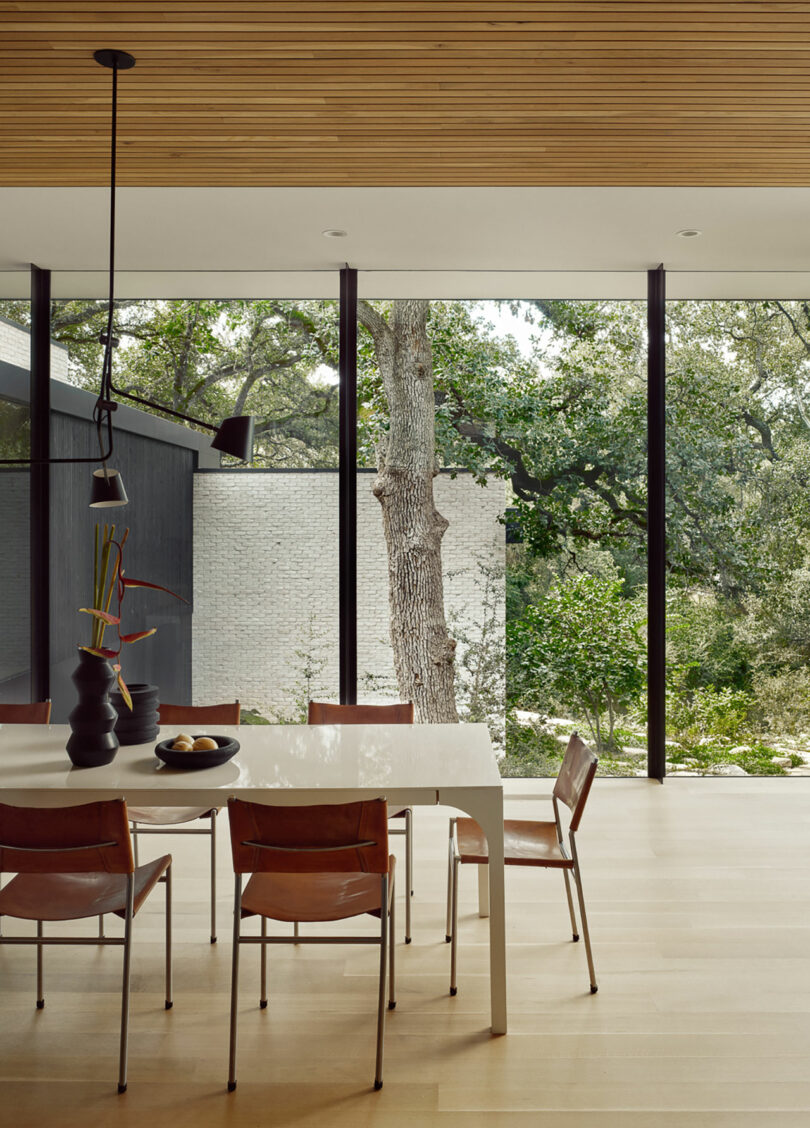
column 424, row 652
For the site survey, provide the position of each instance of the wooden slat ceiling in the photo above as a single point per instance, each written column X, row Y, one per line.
column 408, row 92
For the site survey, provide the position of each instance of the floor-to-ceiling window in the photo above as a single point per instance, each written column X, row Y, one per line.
column 738, row 518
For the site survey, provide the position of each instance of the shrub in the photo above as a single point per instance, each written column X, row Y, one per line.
column 582, row 645
column 708, row 712
column 783, row 700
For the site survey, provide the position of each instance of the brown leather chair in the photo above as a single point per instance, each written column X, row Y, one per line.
column 531, row 844
column 170, row 820
column 401, row 713
column 37, row 713
column 321, row 863
column 76, row 862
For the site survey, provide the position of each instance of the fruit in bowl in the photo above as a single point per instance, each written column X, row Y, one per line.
column 186, row 743
column 200, row 751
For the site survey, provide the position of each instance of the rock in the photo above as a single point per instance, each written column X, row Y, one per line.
column 630, row 751
column 524, row 718
column 782, row 761
column 805, row 771
column 740, row 748
column 727, row 770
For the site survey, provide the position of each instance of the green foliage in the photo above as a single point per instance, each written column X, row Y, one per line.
column 705, row 643
column 783, row 700
column 709, row 712
column 531, row 750
column 253, row 717
column 581, row 643
column 15, row 430
column 755, row 758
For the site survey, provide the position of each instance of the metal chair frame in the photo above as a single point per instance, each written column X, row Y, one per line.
column 385, row 939
column 191, row 714
column 571, row 864
column 125, row 941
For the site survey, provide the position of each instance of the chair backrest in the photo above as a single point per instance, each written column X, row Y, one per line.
column 227, row 714
column 91, row 838
column 333, row 838
column 575, row 777
column 321, row 713
column 37, row 713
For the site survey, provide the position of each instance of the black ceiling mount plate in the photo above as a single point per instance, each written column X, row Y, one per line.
column 122, row 60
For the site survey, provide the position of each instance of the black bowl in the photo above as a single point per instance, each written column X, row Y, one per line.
column 205, row 758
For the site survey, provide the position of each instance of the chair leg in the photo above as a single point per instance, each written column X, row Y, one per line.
column 295, row 929
column 383, row 968
column 454, row 928
column 408, row 872
column 169, row 1002
column 574, row 933
column 583, row 918
column 263, row 947
column 134, row 834
column 392, row 991
column 237, row 904
column 214, row 876
column 40, row 959
column 450, row 855
column 122, row 1056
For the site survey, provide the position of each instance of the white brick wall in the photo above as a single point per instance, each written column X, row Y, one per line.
column 266, row 581
column 15, row 348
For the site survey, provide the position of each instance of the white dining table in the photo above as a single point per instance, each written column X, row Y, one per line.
column 409, row 765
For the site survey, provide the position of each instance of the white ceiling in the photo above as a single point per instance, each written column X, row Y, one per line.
column 434, row 242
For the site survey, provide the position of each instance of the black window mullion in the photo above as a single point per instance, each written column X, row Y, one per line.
column 656, row 524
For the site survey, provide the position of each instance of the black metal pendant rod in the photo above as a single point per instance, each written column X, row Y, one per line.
column 347, row 487
column 656, row 524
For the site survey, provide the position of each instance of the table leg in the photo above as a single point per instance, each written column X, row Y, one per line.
column 485, row 805
column 483, row 891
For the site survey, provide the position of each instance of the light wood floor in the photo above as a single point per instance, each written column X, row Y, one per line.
column 698, row 894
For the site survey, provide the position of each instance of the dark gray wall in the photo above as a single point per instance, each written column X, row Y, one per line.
column 15, row 622
column 158, row 480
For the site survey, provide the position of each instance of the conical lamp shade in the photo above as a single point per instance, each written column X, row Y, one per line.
column 108, row 489
column 235, row 437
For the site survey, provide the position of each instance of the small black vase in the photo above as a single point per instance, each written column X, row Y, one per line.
column 92, row 741
column 141, row 724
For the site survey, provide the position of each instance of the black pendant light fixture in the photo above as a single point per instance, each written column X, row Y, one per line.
column 234, row 436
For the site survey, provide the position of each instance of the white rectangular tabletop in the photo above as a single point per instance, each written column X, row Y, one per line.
column 402, row 763
column 408, row 765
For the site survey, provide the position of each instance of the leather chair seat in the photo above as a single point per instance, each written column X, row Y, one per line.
column 526, row 843
column 313, row 896
column 73, row 896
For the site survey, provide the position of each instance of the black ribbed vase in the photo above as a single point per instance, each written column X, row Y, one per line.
column 92, row 741
column 141, row 725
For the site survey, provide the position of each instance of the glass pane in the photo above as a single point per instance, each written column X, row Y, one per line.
column 739, row 537
column 15, row 653
column 253, row 551
column 574, row 424
column 539, row 409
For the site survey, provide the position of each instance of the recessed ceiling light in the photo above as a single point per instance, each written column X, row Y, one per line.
column 687, row 233
column 334, row 233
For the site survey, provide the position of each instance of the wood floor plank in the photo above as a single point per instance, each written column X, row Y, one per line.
column 699, row 906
